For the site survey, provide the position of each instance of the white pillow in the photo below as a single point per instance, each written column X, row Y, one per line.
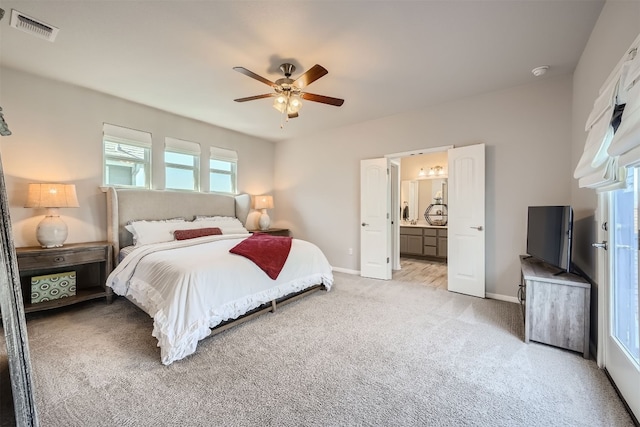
column 227, row 224
column 148, row 232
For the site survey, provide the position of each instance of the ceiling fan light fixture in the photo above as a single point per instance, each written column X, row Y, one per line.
column 280, row 103
column 289, row 92
column 295, row 104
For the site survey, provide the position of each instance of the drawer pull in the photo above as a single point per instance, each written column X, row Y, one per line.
column 58, row 259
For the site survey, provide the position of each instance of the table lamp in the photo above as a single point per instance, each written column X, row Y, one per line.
column 52, row 231
column 263, row 203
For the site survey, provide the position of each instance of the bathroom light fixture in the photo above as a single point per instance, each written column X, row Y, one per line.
column 52, row 231
column 422, row 173
column 436, row 171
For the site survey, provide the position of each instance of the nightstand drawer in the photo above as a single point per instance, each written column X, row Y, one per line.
column 34, row 261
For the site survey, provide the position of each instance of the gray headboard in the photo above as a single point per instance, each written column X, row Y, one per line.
column 124, row 205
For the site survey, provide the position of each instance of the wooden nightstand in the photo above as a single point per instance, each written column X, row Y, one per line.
column 273, row 231
column 91, row 263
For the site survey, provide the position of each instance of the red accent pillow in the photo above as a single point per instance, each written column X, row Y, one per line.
column 196, row 232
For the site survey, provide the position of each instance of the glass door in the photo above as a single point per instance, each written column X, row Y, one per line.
column 622, row 346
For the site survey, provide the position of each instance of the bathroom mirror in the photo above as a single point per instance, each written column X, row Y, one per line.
column 417, row 195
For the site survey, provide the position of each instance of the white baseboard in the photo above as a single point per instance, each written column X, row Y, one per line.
column 346, row 270
column 501, row 297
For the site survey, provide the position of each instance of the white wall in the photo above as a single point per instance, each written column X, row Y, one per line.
column 57, row 137
column 616, row 28
column 527, row 131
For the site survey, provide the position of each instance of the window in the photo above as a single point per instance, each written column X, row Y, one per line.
column 624, row 290
column 182, row 164
column 127, row 157
column 223, row 170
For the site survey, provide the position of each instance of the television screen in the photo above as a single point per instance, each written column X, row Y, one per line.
column 549, row 233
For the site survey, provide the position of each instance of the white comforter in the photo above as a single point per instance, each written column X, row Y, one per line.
column 192, row 285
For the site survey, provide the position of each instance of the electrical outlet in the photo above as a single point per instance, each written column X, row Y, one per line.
column 350, row 251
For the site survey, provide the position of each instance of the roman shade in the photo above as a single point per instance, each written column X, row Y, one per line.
column 596, row 167
column 626, row 142
column 608, row 149
column 223, row 154
column 182, row 146
column 125, row 135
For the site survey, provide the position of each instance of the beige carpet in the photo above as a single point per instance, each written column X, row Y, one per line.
column 368, row 353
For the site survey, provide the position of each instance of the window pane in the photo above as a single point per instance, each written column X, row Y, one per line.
column 179, row 158
column 126, row 164
column 220, row 165
column 125, row 151
column 180, row 179
column 625, row 263
column 119, row 175
column 220, row 182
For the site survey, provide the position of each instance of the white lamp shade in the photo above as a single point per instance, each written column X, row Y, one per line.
column 263, row 202
column 48, row 195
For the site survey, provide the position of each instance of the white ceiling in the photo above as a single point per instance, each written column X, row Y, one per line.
column 383, row 57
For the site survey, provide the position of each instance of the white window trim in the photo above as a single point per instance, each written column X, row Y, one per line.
column 229, row 156
column 123, row 135
column 180, row 146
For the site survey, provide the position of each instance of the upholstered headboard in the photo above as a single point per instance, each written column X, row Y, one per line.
column 124, row 205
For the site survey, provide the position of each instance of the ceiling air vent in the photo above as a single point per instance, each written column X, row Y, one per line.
column 32, row 26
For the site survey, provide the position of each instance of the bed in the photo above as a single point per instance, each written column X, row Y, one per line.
column 195, row 287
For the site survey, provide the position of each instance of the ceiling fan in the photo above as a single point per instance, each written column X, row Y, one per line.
column 288, row 92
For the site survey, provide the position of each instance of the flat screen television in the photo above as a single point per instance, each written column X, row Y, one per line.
column 549, row 234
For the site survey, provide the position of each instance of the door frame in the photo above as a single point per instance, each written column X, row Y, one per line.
column 605, row 357
column 395, row 228
column 394, row 167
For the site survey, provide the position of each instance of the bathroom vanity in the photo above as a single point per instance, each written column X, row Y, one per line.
column 423, row 240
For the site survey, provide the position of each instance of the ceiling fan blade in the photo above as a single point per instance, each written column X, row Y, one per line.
column 253, row 98
column 312, row 74
column 321, row 98
column 254, row 76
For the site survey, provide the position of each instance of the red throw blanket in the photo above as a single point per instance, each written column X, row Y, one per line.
column 266, row 251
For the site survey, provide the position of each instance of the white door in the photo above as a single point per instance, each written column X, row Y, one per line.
column 465, row 255
column 375, row 224
column 622, row 338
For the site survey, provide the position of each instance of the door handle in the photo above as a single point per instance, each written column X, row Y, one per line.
column 602, row 245
column 364, row 224
column 479, row 228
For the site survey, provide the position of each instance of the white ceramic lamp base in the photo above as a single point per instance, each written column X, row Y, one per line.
column 265, row 221
column 52, row 231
